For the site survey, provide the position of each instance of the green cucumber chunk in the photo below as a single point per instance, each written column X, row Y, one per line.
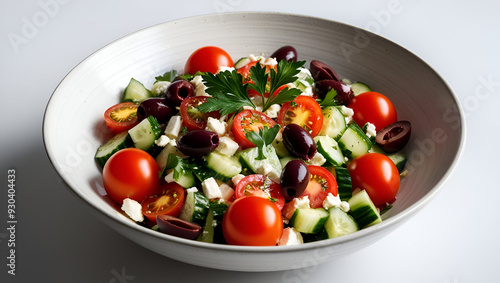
column 399, row 158
column 119, row 141
column 329, row 148
column 344, row 182
column 359, row 87
column 354, row 142
column 195, row 208
column 363, row 210
column 339, row 223
column 182, row 173
column 145, row 133
column 309, row 220
column 334, row 124
column 224, row 166
column 271, row 165
column 136, row 92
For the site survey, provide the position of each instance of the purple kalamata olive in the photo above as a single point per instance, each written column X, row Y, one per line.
column 294, row 179
column 177, row 91
column 394, row 137
column 198, row 142
column 298, row 141
column 178, row 227
column 156, row 107
column 321, row 71
column 287, row 53
column 344, row 92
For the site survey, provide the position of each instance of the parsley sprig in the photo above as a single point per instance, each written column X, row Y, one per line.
column 263, row 138
column 229, row 93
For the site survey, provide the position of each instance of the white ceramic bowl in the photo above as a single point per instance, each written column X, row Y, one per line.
column 73, row 126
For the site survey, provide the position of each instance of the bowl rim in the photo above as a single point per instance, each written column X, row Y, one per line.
column 129, row 224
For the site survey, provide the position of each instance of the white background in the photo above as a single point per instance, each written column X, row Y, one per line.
column 454, row 239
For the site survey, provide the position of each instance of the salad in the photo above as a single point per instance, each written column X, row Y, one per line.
column 262, row 151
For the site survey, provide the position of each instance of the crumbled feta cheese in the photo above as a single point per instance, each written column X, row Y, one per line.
column 227, row 146
column 318, row 159
column 214, row 223
column 210, row 188
column 370, row 130
column 160, row 87
column 162, row 141
column 169, row 178
column 347, row 112
column 226, row 190
column 192, row 190
column 253, row 58
column 215, row 125
column 331, row 201
column 133, row 209
column 344, row 205
column 223, row 69
column 303, row 74
column 272, row 111
column 265, row 168
column 237, row 178
column 301, row 203
column 173, row 127
column 269, row 61
column 199, row 87
column 290, row 237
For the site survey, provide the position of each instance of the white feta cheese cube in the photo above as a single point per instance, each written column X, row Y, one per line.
column 133, row 209
column 290, row 237
column 331, row 201
column 318, row 159
column 269, row 61
column 211, row 189
column 173, row 127
column 370, row 130
column 160, row 87
column 344, row 205
column 215, row 125
column 192, row 190
column 199, row 87
column 303, row 74
column 272, row 111
column 227, row 146
column 302, row 202
column 236, row 179
column 162, row 141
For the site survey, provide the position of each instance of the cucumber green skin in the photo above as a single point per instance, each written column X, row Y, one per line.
column 359, row 87
column 329, row 148
column 119, row 141
column 195, row 208
column 333, row 123
column 210, row 233
column 354, row 134
column 207, row 234
column 155, row 133
column 399, row 158
column 344, row 183
column 320, row 215
column 363, row 210
column 136, row 92
column 225, row 167
column 348, row 224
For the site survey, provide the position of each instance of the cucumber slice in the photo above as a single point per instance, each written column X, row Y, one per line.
column 286, row 159
column 119, row 141
column 344, row 183
column 354, row 142
column 333, row 123
column 145, row 133
column 136, row 92
column 241, row 62
column 195, row 208
column 224, row 166
column 280, row 149
column 359, row 87
column 182, row 174
column 339, row 223
column 363, row 210
column 162, row 157
column 329, row 148
column 270, row 166
column 207, row 235
column 309, row 220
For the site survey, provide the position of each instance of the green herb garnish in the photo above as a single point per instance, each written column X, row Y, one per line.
column 167, row 77
column 329, row 99
column 263, row 138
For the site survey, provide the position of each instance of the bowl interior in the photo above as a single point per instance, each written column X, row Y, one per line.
column 73, row 125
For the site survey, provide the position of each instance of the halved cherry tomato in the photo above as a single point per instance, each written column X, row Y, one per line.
column 130, row 173
column 321, row 183
column 375, row 108
column 252, row 92
column 168, row 200
column 121, row 117
column 245, row 71
column 246, row 121
column 192, row 118
column 377, row 174
column 252, row 221
column 260, row 185
column 304, row 111
column 207, row 59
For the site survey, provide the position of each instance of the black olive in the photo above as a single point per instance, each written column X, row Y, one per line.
column 298, row 141
column 294, row 179
column 321, row 71
column 198, row 142
column 178, row 227
column 287, row 53
column 178, row 91
column 394, row 137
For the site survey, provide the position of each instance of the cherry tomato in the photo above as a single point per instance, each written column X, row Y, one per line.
column 246, row 121
column 321, row 183
column 375, row 108
column 377, row 174
column 304, row 111
column 192, row 118
column 208, row 59
column 121, row 117
column 167, row 200
column 130, row 173
column 260, row 185
column 245, row 71
column 252, row 221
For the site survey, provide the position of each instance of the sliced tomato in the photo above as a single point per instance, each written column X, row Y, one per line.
column 192, row 118
column 168, row 200
column 246, row 121
column 260, row 185
column 245, row 71
column 321, row 183
column 304, row 111
column 121, row 117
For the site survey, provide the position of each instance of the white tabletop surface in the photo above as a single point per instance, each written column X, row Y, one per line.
column 455, row 239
